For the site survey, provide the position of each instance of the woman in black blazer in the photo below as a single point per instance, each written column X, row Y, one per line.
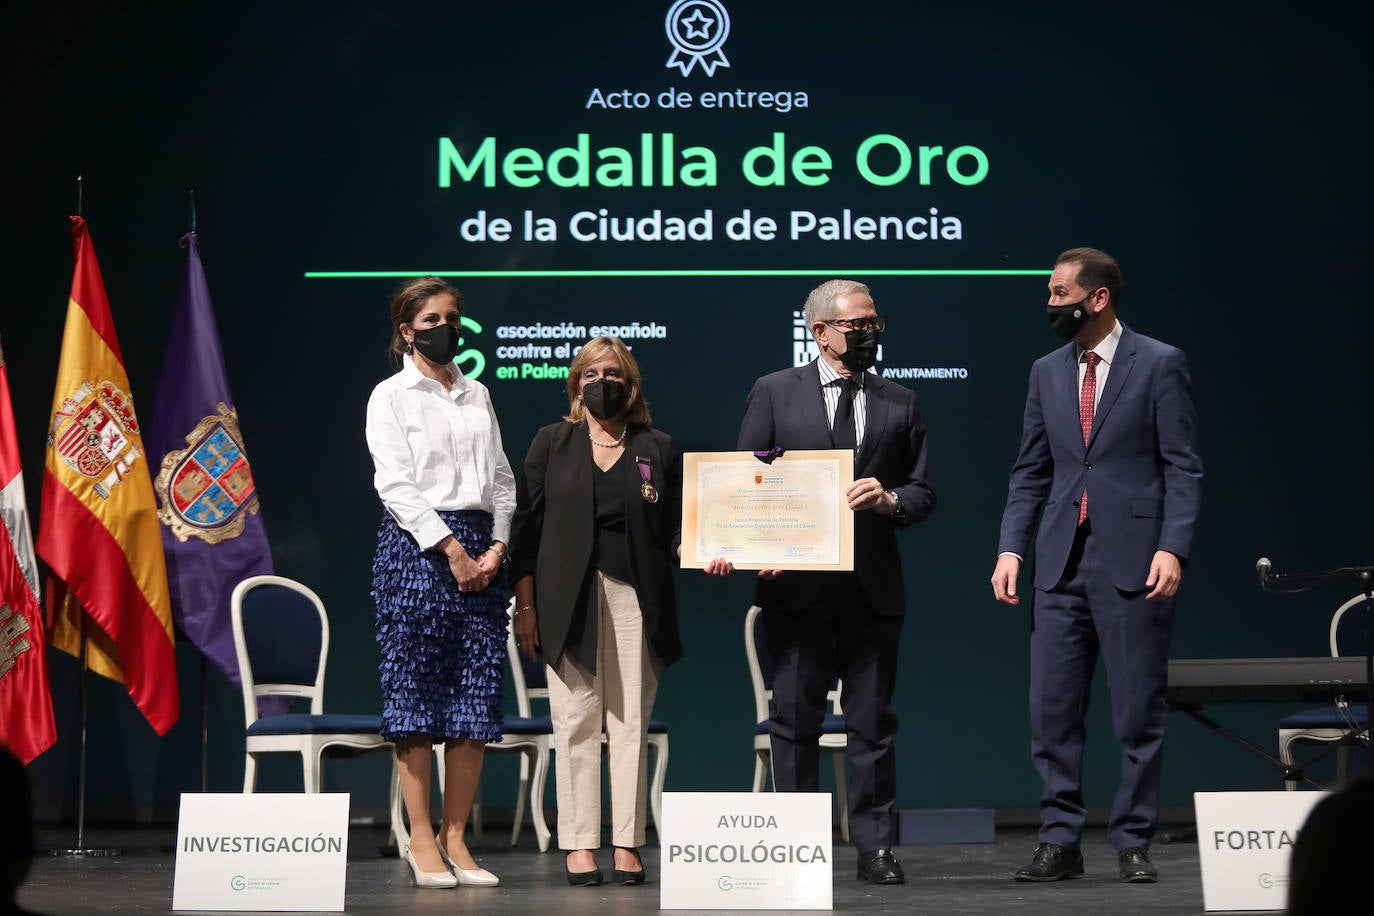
column 596, row 534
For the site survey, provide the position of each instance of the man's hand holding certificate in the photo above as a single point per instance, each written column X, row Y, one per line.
column 792, row 513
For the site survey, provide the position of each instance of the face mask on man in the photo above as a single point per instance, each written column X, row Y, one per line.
column 861, row 349
column 1068, row 320
column 603, row 398
column 439, row 343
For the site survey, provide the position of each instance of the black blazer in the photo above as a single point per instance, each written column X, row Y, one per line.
column 786, row 409
column 554, row 530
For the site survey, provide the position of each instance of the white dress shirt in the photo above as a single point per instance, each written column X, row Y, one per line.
column 832, row 386
column 1106, row 352
column 437, row 450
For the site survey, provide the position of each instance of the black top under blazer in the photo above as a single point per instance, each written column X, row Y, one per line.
column 555, row 529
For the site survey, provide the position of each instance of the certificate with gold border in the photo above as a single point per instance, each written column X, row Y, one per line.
column 790, row 514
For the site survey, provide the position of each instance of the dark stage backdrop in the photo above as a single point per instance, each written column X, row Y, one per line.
column 943, row 153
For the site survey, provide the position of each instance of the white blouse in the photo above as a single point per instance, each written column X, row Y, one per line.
column 437, row 450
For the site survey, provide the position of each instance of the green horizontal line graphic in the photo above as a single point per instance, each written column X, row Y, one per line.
column 652, row 272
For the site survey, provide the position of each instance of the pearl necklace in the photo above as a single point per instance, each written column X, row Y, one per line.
column 595, row 441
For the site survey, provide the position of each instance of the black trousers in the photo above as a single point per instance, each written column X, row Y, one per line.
column 833, row 632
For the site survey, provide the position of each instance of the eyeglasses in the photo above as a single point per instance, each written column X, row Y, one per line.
column 876, row 323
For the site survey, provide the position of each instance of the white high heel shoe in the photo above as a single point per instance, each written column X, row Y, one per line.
column 468, row 877
column 429, row 878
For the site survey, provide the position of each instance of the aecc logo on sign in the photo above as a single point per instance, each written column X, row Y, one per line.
column 474, row 357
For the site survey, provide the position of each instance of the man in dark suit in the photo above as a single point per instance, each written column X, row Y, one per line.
column 822, row 624
column 1109, row 450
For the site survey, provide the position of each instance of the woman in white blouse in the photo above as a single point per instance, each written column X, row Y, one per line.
column 441, row 602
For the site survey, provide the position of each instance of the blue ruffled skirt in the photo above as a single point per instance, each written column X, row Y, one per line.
column 442, row 651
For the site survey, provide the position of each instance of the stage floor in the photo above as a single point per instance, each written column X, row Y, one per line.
column 954, row 879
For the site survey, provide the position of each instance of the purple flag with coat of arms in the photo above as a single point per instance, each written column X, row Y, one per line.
column 212, row 531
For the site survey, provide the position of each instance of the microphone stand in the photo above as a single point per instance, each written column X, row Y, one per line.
column 1366, row 576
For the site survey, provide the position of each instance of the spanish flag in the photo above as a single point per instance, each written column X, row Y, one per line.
column 98, row 530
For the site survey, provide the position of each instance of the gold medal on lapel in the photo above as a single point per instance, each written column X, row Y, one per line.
column 647, row 490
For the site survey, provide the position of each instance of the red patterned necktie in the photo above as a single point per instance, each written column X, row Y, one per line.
column 1087, row 395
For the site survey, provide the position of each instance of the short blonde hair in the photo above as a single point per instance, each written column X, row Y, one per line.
column 637, row 410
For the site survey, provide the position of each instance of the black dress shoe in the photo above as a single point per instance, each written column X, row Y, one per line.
column 1052, row 863
column 880, row 867
column 621, row 876
column 584, row 878
column 1136, row 867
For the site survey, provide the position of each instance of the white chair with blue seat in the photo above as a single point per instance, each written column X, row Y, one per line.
column 533, row 735
column 834, row 735
column 1341, row 723
column 281, row 636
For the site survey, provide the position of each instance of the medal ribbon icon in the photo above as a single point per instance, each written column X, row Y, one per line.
column 697, row 29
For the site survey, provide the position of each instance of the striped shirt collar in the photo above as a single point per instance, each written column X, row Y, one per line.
column 829, row 374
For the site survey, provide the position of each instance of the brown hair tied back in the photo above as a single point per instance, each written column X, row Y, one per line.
column 408, row 298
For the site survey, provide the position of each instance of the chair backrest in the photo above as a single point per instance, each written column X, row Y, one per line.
column 760, row 663
column 527, row 677
column 281, row 636
column 761, row 667
column 1347, row 628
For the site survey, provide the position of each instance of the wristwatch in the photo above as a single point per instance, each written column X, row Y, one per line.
column 899, row 513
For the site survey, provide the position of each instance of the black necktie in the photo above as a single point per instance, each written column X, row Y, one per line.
column 842, row 433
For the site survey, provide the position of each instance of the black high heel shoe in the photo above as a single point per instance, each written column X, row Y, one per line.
column 584, row 878
column 628, row 877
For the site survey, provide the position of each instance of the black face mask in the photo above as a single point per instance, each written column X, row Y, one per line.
column 861, row 350
column 1068, row 320
column 439, row 343
column 603, row 398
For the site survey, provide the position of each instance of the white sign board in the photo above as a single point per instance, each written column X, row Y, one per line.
column 746, row 851
column 1245, row 841
column 261, row 852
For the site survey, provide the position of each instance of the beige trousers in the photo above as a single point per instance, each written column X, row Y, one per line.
column 622, row 691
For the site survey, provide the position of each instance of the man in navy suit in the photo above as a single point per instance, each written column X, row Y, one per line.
column 1109, row 451
column 818, row 624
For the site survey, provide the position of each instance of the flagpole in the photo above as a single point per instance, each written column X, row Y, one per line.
column 83, row 700
column 204, row 662
column 83, row 703
column 204, row 726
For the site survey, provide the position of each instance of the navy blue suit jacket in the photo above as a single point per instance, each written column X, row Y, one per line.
column 1141, row 465
column 787, row 410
